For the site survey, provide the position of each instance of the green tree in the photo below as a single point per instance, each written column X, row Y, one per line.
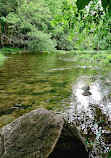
column 88, row 27
column 30, row 24
column 44, row 24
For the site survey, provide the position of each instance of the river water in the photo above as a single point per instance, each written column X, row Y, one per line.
column 54, row 81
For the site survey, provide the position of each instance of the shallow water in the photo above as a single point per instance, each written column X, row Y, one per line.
column 55, row 81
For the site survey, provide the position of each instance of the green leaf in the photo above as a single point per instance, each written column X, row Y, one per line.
column 82, row 3
column 98, row 135
column 99, row 122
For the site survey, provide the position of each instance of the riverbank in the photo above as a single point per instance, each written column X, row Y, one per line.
column 12, row 50
column 85, row 57
column 20, row 50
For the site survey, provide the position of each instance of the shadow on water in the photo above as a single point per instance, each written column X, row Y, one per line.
column 56, row 81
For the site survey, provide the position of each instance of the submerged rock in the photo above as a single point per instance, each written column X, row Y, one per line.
column 86, row 93
column 41, row 134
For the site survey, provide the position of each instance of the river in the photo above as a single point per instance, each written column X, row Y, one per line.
column 54, row 81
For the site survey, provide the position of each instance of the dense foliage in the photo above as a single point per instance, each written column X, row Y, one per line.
column 47, row 25
column 90, row 27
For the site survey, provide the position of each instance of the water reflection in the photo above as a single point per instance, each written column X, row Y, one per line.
column 84, row 111
column 81, row 104
column 95, row 90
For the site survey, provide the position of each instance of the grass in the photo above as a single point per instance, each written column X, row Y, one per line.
column 19, row 50
column 2, row 58
column 10, row 50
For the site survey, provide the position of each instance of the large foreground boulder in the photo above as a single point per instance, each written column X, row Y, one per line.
column 41, row 134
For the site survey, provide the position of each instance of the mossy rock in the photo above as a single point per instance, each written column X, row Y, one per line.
column 41, row 134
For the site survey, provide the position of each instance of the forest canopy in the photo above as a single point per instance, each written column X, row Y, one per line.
column 59, row 24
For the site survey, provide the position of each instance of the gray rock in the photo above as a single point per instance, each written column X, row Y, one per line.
column 40, row 134
column 87, row 93
column 85, row 88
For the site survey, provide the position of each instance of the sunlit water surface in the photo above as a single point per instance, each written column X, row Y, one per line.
column 55, row 81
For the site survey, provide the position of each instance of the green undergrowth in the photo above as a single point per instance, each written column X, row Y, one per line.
column 10, row 50
column 20, row 50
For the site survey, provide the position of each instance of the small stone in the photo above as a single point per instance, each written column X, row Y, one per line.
column 86, row 93
column 85, row 88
